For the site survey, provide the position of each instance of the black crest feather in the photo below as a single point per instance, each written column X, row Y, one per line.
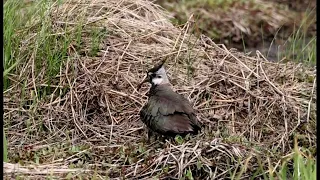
column 157, row 66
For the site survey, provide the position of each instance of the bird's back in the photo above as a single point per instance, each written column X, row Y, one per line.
column 168, row 112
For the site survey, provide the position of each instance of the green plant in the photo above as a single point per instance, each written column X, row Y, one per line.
column 189, row 175
column 97, row 36
column 11, row 23
column 301, row 163
column 300, row 47
column 179, row 139
column 30, row 38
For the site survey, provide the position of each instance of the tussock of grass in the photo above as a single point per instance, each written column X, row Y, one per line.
column 78, row 73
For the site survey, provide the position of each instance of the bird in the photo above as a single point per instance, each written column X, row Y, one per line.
column 166, row 112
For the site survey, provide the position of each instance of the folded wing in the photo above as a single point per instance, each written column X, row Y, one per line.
column 170, row 113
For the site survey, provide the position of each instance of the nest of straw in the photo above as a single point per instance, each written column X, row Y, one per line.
column 250, row 107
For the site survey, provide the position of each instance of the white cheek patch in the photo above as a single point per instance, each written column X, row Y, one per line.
column 157, row 81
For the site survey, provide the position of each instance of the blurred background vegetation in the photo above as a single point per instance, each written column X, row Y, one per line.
column 280, row 29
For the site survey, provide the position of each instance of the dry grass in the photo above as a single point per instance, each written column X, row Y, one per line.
column 251, row 107
column 236, row 21
column 262, row 25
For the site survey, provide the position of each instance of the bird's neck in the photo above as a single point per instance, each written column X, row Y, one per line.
column 159, row 87
column 164, row 84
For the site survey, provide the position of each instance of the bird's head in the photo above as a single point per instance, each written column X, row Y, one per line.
column 156, row 75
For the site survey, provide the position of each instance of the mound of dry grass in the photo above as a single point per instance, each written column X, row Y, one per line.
column 251, row 107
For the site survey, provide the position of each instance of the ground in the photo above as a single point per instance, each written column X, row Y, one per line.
column 71, row 107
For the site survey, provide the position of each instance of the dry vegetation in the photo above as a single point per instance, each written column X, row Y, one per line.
column 264, row 25
column 234, row 20
column 89, row 124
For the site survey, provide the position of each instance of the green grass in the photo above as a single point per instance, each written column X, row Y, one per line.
column 29, row 39
column 35, row 49
column 299, row 164
column 304, row 165
column 32, row 39
column 11, row 22
column 300, row 47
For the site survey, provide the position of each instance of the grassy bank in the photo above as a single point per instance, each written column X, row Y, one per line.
column 71, row 107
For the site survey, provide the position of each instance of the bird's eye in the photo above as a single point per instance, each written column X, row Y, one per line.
column 158, row 76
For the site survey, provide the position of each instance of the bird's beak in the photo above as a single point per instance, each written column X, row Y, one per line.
column 144, row 81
